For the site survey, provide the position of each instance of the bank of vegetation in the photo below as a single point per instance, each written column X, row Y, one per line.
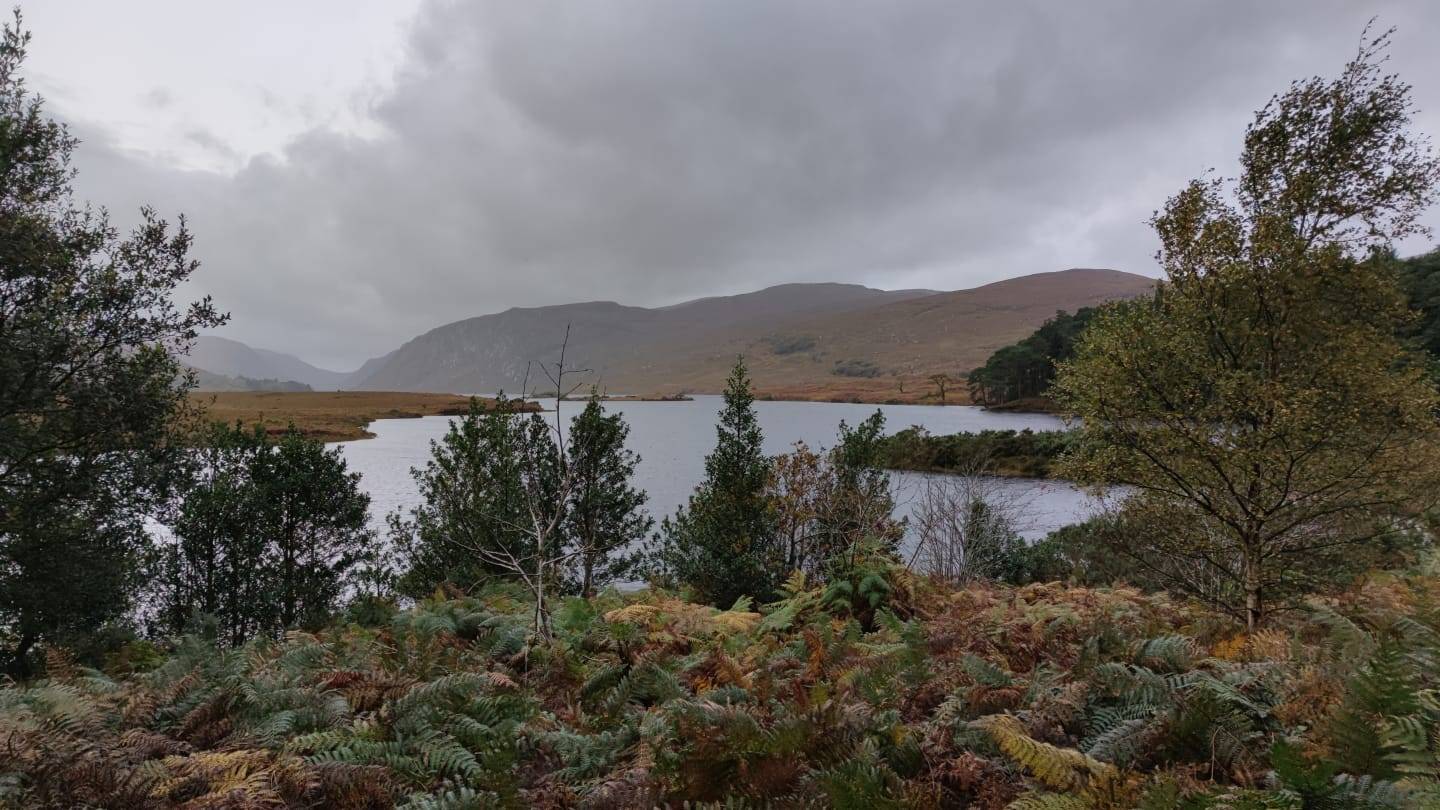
column 1255, row 626
column 1007, row 453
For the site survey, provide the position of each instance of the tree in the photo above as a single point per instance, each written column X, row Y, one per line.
column 267, row 536
column 316, row 520
column 605, row 513
column 211, row 570
column 965, row 527
column 515, row 496
column 471, row 497
column 941, row 382
column 539, row 555
column 1420, row 278
column 860, row 503
column 827, row 506
column 723, row 541
column 89, row 385
column 1027, row 368
column 1272, row 424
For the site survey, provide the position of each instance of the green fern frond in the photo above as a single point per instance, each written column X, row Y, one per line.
column 1173, row 653
column 985, row 673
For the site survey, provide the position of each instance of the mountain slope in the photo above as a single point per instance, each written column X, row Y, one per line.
column 210, row 382
column 911, row 339
column 793, row 334
column 491, row 352
column 232, row 358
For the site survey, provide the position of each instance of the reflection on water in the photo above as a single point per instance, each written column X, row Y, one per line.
column 672, row 439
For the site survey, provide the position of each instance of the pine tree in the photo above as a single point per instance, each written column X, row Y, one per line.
column 605, row 512
column 723, row 542
column 473, row 492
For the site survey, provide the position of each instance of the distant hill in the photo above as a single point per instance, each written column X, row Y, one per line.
column 209, row 381
column 231, row 358
column 813, row 335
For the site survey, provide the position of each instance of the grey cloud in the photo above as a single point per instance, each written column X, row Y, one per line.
column 210, row 142
column 544, row 152
column 157, row 98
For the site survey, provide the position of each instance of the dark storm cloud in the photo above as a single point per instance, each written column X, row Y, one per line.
column 544, row 152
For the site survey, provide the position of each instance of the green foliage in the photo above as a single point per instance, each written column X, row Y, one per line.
column 1024, row 370
column 1262, row 404
column 90, row 389
column 1041, row 696
column 827, row 507
column 722, row 543
column 863, row 584
column 1084, row 553
column 473, row 492
column 499, row 479
column 267, row 536
column 1023, row 453
column 860, row 502
column 1420, row 279
column 605, row 514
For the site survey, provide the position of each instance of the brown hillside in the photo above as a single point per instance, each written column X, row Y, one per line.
column 903, row 341
column 805, row 341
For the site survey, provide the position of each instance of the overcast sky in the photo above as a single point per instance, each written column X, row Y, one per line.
column 359, row 172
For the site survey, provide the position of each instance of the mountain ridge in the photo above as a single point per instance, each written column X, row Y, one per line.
column 229, row 358
column 852, row 331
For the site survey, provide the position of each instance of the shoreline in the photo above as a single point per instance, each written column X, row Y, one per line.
column 331, row 416
column 340, row 416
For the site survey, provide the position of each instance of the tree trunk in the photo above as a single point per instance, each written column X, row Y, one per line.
column 20, row 658
column 1254, row 608
column 542, row 627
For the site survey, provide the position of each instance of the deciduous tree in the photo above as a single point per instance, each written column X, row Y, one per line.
column 1273, row 425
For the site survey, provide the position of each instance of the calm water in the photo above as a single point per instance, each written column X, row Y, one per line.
column 672, row 439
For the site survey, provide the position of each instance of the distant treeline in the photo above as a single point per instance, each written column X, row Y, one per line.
column 1011, row 453
column 1420, row 279
column 1025, row 370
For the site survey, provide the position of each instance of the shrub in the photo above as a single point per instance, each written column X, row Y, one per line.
column 790, row 344
column 856, row 368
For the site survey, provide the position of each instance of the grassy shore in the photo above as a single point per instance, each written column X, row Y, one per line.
column 333, row 416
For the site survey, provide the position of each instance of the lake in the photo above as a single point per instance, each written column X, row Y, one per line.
column 672, row 439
